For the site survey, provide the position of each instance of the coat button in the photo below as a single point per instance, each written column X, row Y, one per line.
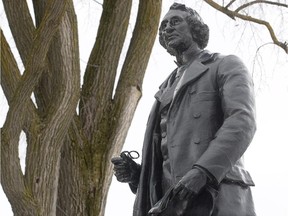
column 163, row 134
column 197, row 115
column 197, row 141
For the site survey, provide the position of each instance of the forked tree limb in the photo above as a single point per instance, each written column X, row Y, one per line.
column 127, row 95
column 101, row 69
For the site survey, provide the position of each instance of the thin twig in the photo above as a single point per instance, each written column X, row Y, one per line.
column 98, row 2
column 229, row 4
column 260, row 2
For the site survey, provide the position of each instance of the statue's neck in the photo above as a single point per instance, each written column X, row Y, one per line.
column 188, row 55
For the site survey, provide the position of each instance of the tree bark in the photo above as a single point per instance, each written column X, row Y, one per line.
column 72, row 188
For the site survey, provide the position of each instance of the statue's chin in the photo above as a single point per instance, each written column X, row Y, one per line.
column 176, row 49
column 171, row 51
column 173, row 48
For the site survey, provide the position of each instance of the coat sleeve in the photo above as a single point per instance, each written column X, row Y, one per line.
column 238, row 128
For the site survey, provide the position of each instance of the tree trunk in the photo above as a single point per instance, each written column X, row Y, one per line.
column 73, row 176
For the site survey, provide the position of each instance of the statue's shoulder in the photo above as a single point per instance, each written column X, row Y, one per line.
column 210, row 57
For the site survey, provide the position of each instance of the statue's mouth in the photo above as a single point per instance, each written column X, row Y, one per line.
column 171, row 37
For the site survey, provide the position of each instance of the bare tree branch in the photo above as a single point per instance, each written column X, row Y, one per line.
column 23, row 29
column 49, row 84
column 144, row 26
column 11, row 175
column 259, row 2
column 230, row 3
column 35, row 64
column 10, row 76
column 233, row 14
column 21, row 26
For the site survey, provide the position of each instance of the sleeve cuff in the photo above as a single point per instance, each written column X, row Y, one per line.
column 211, row 180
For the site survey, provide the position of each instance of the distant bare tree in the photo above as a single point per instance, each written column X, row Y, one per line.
column 240, row 9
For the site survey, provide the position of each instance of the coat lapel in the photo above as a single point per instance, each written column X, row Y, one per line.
column 164, row 96
column 191, row 74
column 168, row 94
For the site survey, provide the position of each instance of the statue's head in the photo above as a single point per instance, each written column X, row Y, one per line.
column 180, row 27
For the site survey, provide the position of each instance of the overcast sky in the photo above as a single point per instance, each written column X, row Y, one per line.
column 266, row 158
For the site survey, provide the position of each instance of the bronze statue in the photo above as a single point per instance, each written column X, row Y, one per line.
column 200, row 125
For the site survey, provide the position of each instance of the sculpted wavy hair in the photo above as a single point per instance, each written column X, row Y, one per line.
column 199, row 30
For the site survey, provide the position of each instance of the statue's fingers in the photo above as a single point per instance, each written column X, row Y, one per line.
column 121, row 172
column 177, row 189
column 117, row 160
column 122, row 169
column 183, row 194
column 186, row 194
column 123, row 178
column 121, row 165
column 190, row 195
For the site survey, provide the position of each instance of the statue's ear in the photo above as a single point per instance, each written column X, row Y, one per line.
column 200, row 35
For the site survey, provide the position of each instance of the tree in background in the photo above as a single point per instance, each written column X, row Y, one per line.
column 68, row 169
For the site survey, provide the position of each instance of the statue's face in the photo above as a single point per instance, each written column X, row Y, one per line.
column 175, row 32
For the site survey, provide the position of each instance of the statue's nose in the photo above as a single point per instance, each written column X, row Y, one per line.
column 168, row 28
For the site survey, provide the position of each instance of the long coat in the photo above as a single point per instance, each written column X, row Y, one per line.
column 210, row 122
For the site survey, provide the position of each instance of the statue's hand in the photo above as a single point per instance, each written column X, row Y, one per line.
column 126, row 170
column 190, row 184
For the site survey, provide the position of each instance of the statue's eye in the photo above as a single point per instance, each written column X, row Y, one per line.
column 175, row 21
column 163, row 25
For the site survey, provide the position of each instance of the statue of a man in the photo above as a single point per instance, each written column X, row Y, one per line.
column 201, row 124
